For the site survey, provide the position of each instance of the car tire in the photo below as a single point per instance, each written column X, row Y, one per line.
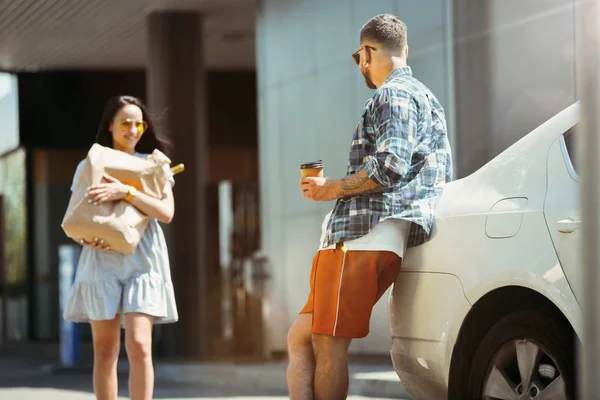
column 511, row 344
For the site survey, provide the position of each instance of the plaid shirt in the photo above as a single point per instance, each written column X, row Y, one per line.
column 401, row 142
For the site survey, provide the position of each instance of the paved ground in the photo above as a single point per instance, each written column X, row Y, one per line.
column 25, row 379
column 165, row 393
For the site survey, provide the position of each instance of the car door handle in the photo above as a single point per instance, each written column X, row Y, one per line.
column 568, row 225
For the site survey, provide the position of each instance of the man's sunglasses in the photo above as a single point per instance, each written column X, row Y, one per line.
column 126, row 124
column 356, row 54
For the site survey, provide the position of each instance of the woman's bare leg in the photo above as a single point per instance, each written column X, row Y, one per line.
column 106, row 336
column 138, row 343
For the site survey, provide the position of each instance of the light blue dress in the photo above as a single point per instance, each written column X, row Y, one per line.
column 109, row 283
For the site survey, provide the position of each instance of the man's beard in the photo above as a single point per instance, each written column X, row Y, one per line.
column 368, row 80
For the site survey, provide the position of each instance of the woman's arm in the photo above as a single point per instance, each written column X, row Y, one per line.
column 161, row 209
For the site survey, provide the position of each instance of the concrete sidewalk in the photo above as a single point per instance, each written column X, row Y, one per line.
column 366, row 379
column 25, row 378
column 369, row 376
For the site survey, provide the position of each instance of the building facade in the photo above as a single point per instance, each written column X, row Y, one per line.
column 248, row 90
column 500, row 68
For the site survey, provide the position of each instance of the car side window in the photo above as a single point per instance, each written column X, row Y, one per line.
column 570, row 141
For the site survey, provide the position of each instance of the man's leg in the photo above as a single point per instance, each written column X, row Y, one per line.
column 331, row 373
column 301, row 368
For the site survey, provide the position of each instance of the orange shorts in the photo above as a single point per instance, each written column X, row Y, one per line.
column 344, row 287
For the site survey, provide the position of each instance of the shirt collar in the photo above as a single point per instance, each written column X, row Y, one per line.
column 399, row 72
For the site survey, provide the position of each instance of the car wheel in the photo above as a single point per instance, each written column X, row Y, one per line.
column 525, row 355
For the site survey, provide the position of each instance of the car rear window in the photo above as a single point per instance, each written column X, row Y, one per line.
column 571, row 140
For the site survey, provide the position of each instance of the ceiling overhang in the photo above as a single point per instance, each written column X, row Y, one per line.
column 111, row 34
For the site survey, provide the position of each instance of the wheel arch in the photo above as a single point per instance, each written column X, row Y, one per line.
column 483, row 315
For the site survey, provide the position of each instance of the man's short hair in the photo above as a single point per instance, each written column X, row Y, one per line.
column 387, row 30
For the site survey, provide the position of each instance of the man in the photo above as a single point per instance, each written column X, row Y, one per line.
column 399, row 161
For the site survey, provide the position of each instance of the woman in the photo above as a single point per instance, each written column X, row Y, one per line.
column 112, row 289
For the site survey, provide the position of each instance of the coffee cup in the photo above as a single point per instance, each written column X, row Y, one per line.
column 312, row 169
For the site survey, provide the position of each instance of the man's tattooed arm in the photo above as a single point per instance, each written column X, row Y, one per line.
column 357, row 184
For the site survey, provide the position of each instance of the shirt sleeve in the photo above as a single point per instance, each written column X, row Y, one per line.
column 394, row 118
column 170, row 175
column 77, row 173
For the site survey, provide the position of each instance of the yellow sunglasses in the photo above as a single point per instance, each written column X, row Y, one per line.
column 126, row 124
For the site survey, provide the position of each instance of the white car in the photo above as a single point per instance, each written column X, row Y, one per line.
column 489, row 307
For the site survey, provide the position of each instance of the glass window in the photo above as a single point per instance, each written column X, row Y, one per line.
column 9, row 113
column 570, row 141
column 13, row 288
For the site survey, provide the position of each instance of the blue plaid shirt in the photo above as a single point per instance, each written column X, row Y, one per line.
column 401, row 142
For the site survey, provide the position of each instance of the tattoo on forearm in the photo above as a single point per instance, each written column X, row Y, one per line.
column 358, row 184
column 353, row 182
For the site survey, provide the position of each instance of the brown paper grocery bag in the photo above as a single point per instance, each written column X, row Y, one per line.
column 120, row 224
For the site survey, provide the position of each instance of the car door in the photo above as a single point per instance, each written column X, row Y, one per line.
column 562, row 208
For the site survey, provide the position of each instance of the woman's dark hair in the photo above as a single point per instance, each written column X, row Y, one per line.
column 150, row 139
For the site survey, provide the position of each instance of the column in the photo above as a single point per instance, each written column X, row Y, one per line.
column 472, row 86
column 588, row 90
column 177, row 94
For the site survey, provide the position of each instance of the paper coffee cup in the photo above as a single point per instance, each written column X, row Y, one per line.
column 312, row 169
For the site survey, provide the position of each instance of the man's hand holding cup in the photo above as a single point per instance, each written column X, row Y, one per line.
column 313, row 185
